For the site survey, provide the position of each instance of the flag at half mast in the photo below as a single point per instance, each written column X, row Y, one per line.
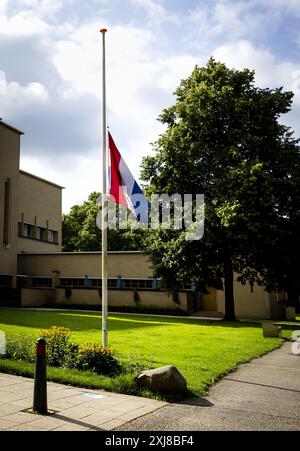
column 124, row 189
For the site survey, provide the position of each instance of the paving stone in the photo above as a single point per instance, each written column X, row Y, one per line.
column 7, row 424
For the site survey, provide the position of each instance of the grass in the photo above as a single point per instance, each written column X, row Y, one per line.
column 202, row 350
column 86, row 379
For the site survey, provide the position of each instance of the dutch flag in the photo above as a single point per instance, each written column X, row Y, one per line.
column 124, row 189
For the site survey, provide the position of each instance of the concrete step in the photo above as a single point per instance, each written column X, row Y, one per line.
column 208, row 314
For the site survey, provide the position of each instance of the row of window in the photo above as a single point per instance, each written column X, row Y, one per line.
column 83, row 282
column 37, row 233
column 41, row 282
column 111, row 283
column 96, row 283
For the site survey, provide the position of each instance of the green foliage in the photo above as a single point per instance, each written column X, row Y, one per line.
column 175, row 297
column 68, row 293
column 136, row 296
column 21, row 347
column 81, row 233
column 61, row 353
column 70, row 357
column 136, row 363
column 57, row 344
column 223, row 139
column 93, row 357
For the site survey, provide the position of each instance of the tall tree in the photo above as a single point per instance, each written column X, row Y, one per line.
column 222, row 139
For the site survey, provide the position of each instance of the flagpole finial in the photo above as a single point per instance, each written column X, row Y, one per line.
column 103, row 30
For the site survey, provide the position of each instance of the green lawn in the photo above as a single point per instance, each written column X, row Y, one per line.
column 202, row 350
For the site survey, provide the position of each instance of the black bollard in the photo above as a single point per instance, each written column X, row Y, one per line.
column 40, row 379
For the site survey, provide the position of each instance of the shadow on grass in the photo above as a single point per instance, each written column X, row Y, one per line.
column 74, row 321
column 83, row 321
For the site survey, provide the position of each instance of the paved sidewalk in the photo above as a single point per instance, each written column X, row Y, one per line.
column 76, row 409
column 261, row 395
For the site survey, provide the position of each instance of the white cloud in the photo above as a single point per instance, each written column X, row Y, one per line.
column 223, row 20
column 140, row 81
column 12, row 93
column 53, row 89
column 22, row 24
column 155, row 10
column 292, row 6
column 269, row 72
column 3, row 6
column 43, row 6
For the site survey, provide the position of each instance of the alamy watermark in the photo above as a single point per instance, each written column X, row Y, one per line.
column 176, row 212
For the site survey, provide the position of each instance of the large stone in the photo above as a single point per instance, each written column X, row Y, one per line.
column 166, row 379
column 271, row 330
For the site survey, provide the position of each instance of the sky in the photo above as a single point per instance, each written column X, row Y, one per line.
column 50, row 72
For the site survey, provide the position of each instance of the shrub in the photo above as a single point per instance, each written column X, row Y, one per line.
column 60, row 352
column 99, row 359
column 175, row 297
column 21, row 347
column 57, row 344
column 70, row 357
column 68, row 293
column 136, row 296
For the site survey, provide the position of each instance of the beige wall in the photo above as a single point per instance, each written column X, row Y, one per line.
column 277, row 308
column 255, row 304
column 84, row 263
column 9, row 168
column 210, row 300
column 119, row 298
column 40, row 205
column 36, row 297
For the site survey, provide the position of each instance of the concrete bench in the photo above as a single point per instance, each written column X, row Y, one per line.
column 271, row 330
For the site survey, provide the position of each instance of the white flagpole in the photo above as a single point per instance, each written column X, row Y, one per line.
column 104, row 201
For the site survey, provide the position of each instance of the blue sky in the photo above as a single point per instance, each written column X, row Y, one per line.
column 50, row 71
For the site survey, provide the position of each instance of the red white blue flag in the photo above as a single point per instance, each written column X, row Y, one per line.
column 124, row 189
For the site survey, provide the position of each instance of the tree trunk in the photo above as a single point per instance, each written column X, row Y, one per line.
column 229, row 296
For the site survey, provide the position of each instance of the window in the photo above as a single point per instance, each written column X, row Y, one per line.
column 111, row 283
column 41, row 282
column 138, row 283
column 72, row 282
column 52, row 236
column 27, row 230
column 97, row 283
column 6, row 224
column 5, row 281
column 39, row 233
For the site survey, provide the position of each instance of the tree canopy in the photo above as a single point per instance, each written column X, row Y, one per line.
column 223, row 138
column 81, row 233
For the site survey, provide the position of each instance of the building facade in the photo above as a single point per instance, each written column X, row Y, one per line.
column 30, row 211
column 9, row 192
column 34, row 271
